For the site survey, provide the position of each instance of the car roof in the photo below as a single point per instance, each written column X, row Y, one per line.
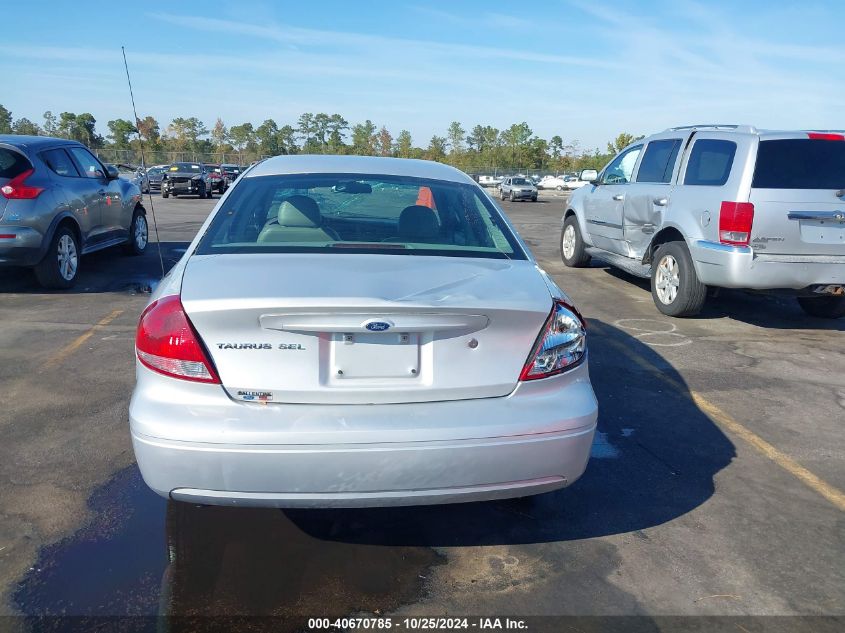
column 331, row 164
column 34, row 142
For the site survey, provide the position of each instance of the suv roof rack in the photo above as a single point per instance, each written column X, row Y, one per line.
column 748, row 129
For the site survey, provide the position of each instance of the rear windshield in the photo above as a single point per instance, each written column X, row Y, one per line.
column 343, row 213
column 12, row 164
column 800, row 164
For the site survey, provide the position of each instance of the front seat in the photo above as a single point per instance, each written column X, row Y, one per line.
column 417, row 224
column 298, row 220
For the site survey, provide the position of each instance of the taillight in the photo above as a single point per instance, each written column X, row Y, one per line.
column 561, row 345
column 735, row 220
column 166, row 342
column 17, row 189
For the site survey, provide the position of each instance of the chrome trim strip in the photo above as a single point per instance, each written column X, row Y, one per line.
column 725, row 248
column 600, row 223
column 838, row 216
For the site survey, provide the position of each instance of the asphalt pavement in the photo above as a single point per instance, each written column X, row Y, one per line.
column 715, row 486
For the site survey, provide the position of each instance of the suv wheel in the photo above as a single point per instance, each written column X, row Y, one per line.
column 139, row 234
column 823, row 307
column 675, row 287
column 572, row 248
column 512, row 196
column 60, row 265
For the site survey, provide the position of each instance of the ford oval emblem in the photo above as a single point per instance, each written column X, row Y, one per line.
column 377, row 326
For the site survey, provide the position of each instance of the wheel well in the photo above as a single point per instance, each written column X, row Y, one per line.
column 669, row 234
column 569, row 212
column 73, row 226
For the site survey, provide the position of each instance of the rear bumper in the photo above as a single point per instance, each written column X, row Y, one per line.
column 742, row 267
column 25, row 249
column 345, row 475
column 219, row 452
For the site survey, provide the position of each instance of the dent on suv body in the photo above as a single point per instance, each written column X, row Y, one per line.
column 720, row 206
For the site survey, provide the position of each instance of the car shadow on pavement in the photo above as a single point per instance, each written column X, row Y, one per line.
column 109, row 270
column 754, row 308
column 654, row 460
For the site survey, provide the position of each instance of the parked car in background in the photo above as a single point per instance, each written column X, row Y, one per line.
column 154, row 175
column 232, row 172
column 316, row 387
column 486, row 180
column 570, row 183
column 219, row 180
column 134, row 174
column 552, row 182
column 59, row 202
column 518, row 188
column 725, row 206
column 191, row 179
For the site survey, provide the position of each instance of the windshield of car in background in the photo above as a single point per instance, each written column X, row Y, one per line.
column 359, row 213
column 185, row 167
column 800, row 164
column 520, row 181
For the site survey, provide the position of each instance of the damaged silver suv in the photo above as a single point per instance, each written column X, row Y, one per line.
column 724, row 206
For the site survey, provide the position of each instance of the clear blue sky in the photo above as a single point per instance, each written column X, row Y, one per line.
column 584, row 70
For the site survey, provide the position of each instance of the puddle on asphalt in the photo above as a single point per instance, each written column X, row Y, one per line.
column 602, row 448
column 143, row 555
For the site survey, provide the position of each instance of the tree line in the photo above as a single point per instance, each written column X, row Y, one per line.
column 482, row 146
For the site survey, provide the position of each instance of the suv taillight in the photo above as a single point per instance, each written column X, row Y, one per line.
column 561, row 345
column 735, row 220
column 17, row 189
column 166, row 342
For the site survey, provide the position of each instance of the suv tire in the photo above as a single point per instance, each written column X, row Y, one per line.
column 823, row 307
column 139, row 234
column 572, row 248
column 60, row 266
column 675, row 287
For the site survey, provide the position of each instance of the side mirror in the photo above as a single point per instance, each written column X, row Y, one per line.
column 590, row 175
column 111, row 172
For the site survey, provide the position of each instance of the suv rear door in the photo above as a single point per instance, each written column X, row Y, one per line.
column 798, row 192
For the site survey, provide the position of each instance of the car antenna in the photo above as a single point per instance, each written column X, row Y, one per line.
column 143, row 162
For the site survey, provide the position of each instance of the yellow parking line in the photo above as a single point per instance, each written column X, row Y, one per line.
column 71, row 347
column 809, row 479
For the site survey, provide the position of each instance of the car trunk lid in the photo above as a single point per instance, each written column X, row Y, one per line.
column 798, row 192
column 361, row 329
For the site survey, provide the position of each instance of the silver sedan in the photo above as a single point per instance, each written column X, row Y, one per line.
column 356, row 331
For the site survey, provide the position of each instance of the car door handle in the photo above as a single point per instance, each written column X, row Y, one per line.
column 661, row 202
column 619, row 197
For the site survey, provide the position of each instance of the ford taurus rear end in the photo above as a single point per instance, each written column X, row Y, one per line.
column 356, row 332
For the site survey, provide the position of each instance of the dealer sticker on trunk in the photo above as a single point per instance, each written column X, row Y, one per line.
column 255, row 396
